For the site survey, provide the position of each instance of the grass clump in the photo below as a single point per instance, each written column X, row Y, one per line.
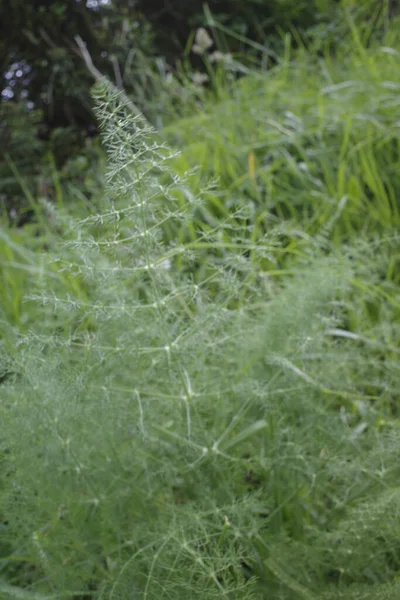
column 217, row 435
column 313, row 141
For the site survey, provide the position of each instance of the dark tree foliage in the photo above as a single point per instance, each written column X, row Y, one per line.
column 40, row 59
column 46, row 105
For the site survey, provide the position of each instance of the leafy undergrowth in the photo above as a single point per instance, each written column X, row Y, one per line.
column 200, row 381
column 224, row 435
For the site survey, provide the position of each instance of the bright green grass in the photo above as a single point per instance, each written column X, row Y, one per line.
column 314, row 140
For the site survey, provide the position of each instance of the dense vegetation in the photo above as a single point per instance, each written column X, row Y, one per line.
column 199, row 343
column 47, row 126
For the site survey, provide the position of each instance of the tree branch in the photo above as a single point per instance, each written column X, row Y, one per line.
column 99, row 76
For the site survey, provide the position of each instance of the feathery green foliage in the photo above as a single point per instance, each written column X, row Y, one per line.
column 183, row 417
